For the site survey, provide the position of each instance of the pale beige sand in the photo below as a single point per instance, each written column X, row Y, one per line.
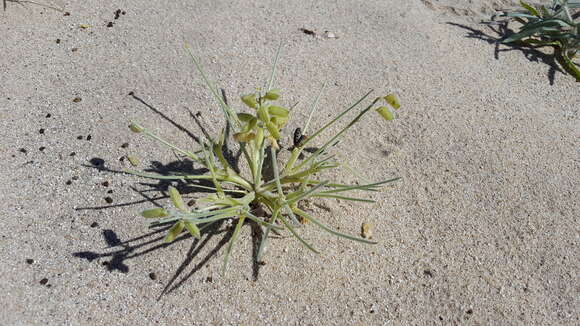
column 482, row 229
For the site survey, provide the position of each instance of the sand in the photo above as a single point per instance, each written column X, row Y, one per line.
column 481, row 230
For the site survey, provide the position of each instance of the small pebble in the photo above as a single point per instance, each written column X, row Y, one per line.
column 131, row 93
column 366, row 230
column 41, row 148
column 110, row 191
column 75, row 50
column 44, row 281
column 23, row 150
column 89, row 137
column 191, row 203
column 125, row 145
column 109, row 200
column 29, row 261
column 66, row 14
column 94, row 224
column 57, row 41
column 72, row 154
column 69, row 182
column 110, row 24
column 152, row 276
column 105, row 183
column 76, row 99
column 48, row 115
column 41, row 131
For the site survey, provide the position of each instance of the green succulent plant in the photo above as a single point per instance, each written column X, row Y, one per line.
column 237, row 196
column 552, row 25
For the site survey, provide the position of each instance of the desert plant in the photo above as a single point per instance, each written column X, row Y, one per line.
column 552, row 25
column 238, row 196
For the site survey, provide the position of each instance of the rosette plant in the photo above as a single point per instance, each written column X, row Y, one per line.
column 268, row 199
column 555, row 25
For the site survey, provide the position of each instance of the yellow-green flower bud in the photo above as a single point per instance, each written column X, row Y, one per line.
column 274, row 142
column 193, row 229
column 245, row 117
column 154, row 213
column 385, row 113
column 244, row 137
column 135, row 127
column 176, row 199
column 277, row 111
column 174, row 231
column 263, row 114
column 279, row 121
column 250, row 100
column 273, row 129
column 393, row 100
column 272, row 95
column 133, row 160
column 259, row 136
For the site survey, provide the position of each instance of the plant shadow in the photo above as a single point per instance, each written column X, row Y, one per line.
column 498, row 31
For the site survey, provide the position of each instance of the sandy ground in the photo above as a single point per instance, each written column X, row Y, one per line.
column 481, row 230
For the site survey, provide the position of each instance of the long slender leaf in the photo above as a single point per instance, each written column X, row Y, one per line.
column 232, row 241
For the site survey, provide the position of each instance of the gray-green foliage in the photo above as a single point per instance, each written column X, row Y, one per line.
column 237, row 196
column 552, row 25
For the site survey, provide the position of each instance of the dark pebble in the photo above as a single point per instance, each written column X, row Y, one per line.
column 75, row 177
column 191, row 203
column 109, row 200
column 76, row 99
column 41, row 131
column 75, row 50
column 110, row 24
column 89, row 137
column 44, row 281
column 428, row 272
column 41, row 148
column 152, row 276
column 48, row 115
column 209, row 279
column 125, row 145
column 69, row 182
column 132, row 93
column 105, row 183
column 79, row 137
column 94, row 224
column 29, row 261
column 66, row 14
column 72, row 154
column 110, row 191
column 123, row 12
column 23, row 150
column 57, row 41
column 470, row 311
column 122, row 158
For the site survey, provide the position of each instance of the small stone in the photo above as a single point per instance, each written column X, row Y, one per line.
column 48, row 115
column 105, row 183
column 41, row 131
column 125, row 145
column 109, row 200
column 29, row 261
column 41, row 148
column 366, row 230
column 89, row 137
column 75, row 50
column 152, row 276
column 131, row 93
column 94, row 224
column 76, row 99
column 79, row 137
column 72, row 154
column 69, row 182
column 44, row 281
column 23, row 150
column 191, row 203
column 110, row 191
column 66, row 14
column 110, row 24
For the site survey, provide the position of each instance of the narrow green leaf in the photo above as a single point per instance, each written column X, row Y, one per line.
column 296, row 235
column 529, row 8
column 327, row 229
